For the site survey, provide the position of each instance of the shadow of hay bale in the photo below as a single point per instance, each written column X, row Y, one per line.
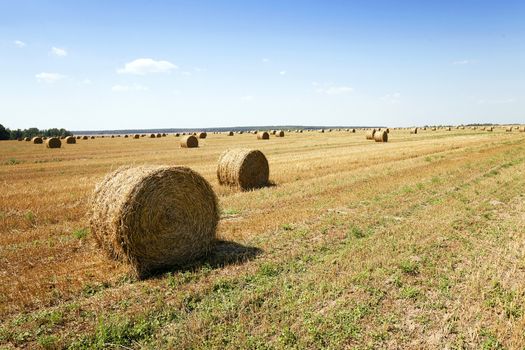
column 223, row 253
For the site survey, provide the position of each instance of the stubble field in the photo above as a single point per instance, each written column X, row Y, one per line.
column 418, row 243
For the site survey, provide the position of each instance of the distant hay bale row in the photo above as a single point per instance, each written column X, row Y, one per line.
column 244, row 168
column 154, row 217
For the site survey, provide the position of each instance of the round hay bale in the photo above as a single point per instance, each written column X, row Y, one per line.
column 53, row 142
column 244, row 168
column 189, row 141
column 177, row 134
column 112, row 136
column 279, row 133
column 202, row 135
column 126, row 136
column 152, row 136
column 20, row 139
column 79, row 137
column 321, row 130
column 92, row 137
column 381, row 136
column 154, row 217
column 413, row 131
column 37, row 140
column 71, row 140
column 274, row 132
column 84, row 137
column 352, row 131
column 449, row 128
column 370, row 134
column 521, row 128
column 27, row 139
column 159, row 135
column 508, row 129
column 136, row 136
column 387, row 130
column 230, row 133
column 263, row 136
column 490, row 128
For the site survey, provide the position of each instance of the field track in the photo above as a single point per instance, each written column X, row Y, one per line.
column 416, row 243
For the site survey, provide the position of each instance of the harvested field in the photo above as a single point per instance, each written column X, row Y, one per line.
column 417, row 243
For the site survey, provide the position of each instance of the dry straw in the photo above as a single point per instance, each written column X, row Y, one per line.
column 279, row 133
column 243, row 168
column 413, row 131
column 71, row 139
column 154, row 217
column 263, row 135
column 37, row 140
column 53, row 142
column 202, row 135
column 189, row 141
column 381, row 136
column 370, row 134
column 230, row 133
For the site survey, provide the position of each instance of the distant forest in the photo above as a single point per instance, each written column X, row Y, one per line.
column 7, row 134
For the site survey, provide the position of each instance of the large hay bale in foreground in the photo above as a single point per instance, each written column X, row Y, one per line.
column 53, row 142
column 189, row 141
column 263, row 136
column 154, row 217
column 202, row 135
column 71, row 140
column 370, row 134
column 381, row 136
column 244, row 168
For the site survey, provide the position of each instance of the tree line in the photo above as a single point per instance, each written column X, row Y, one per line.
column 7, row 134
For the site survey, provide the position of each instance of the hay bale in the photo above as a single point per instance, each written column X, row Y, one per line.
column 154, row 217
column 387, row 130
column 189, row 141
column 274, row 132
column 84, row 137
column 27, row 139
column 37, row 140
column 20, row 139
column 263, row 136
column 370, row 134
column 53, row 142
column 279, row 133
column 92, row 137
column 159, row 135
column 243, row 168
column 230, row 133
column 152, row 136
column 177, row 134
column 71, row 140
column 413, row 131
column 136, row 136
column 508, row 129
column 490, row 128
column 126, row 136
column 521, row 128
column 202, row 135
column 381, row 136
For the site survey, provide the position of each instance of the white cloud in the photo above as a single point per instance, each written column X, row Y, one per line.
column 58, row 52
column 461, row 62
column 19, row 44
column 49, row 78
column 393, row 98
column 335, row 90
column 125, row 88
column 283, row 72
column 143, row 66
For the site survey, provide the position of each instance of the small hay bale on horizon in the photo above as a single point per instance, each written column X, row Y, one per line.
column 243, row 168
column 154, row 217
column 53, row 142
column 413, row 131
column 370, row 134
column 230, row 133
column 189, row 141
column 381, row 136
column 202, row 135
column 71, row 140
column 263, row 136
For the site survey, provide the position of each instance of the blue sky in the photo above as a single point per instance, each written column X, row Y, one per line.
column 94, row 65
